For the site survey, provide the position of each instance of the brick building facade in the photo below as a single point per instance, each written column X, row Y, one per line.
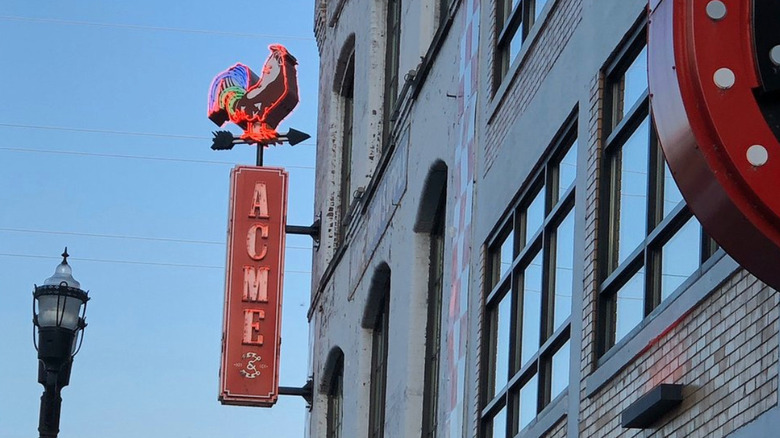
column 504, row 252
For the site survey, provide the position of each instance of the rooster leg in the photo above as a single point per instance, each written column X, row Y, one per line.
column 258, row 132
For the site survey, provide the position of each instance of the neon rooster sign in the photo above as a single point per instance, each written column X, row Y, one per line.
column 256, row 104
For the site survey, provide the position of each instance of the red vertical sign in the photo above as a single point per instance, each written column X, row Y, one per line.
column 249, row 371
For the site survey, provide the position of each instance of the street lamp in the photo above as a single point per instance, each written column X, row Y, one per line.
column 59, row 307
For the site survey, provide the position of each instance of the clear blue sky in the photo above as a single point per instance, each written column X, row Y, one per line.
column 143, row 216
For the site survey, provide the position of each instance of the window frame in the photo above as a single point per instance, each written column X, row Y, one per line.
column 442, row 10
column 614, row 274
column 346, row 97
column 559, row 206
column 433, row 323
column 392, row 66
column 511, row 18
column 378, row 387
column 335, row 406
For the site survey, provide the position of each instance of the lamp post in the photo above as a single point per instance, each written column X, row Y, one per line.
column 59, row 307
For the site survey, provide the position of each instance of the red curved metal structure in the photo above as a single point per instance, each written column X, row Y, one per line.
column 715, row 102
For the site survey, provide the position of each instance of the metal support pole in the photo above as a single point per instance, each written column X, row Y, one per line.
column 260, row 148
column 51, row 404
column 313, row 231
column 305, row 391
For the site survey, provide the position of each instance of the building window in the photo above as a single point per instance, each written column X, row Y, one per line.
column 433, row 329
column 514, row 20
column 376, row 419
column 346, row 92
column 392, row 55
column 336, row 400
column 443, row 8
column 649, row 241
column 529, row 292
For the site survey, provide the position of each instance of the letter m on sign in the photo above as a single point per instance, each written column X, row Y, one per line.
column 256, row 283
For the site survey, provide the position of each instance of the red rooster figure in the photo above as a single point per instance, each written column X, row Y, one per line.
column 255, row 104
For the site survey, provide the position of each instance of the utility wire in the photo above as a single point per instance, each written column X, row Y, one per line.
column 114, row 132
column 135, row 157
column 127, row 262
column 154, row 28
column 134, row 262
column 112, row 236
column 120, row 236
column 103, row 131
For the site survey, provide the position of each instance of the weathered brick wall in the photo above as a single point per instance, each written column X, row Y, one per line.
column 724, row 352
column 477, row 330
column 537, row 62
column 557, row 431
column 590, row 276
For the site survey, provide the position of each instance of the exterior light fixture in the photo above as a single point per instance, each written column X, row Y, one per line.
column 59, row 308
column 653, row 405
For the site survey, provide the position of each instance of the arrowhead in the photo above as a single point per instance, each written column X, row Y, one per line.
column 294, row 136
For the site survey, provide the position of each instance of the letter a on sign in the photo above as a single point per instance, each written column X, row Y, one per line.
column 249, row 371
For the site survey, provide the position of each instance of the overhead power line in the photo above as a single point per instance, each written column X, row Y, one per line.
column 113, row 236
column 126, row 262
column 127, row 237
column 134, row 262
column 104, row 131
column 115, row 132
column 136, row 157
column 153, row 28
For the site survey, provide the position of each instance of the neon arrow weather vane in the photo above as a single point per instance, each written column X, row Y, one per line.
column 256, row 104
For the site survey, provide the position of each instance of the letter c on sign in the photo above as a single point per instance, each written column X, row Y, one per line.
column 251, row 241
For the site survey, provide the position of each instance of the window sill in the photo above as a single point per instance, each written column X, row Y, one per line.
column 665, row 316
column 509, row 78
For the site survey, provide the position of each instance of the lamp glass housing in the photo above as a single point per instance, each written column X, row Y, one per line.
column 60, row 300
column 59, row 311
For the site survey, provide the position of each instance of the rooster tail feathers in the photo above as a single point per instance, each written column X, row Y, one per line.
column 226, row 89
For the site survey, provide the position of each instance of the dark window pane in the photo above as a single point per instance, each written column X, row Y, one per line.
column 506, row 255
column 560, row 371
column 506, row 7
column 534, row 216
column 499, row 424
column 631, row 86
column 632, row 206
column 335, row 399
column 680, row 257
column 564, row 268
column 630, row 305
column 539, row 5
column 567, row 171
column 532, row 308
column 672, row 195
column 443, row 9
column 376, row 420
column 515, row 44
column 433, row 323
column 503, row 320
column 393, row 47
column 528, row 397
